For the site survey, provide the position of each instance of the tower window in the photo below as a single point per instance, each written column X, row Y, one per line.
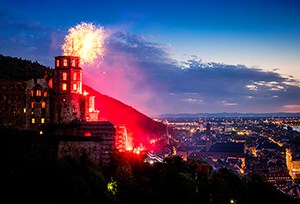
column 45, row 93
column 38, row 93
column 42, row 120
column 73, row 63
column 74, row 76
column 65, row 62
column 64, row 86
column 64, row 76
column 74, row 87
column 32, row 120
column 57, row 63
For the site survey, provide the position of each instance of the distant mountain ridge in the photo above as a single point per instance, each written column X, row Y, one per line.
column 225, row 114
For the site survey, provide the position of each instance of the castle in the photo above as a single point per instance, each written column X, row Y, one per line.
column 57, row 105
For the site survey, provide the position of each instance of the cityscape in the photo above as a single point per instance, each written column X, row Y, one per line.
column 150, row 102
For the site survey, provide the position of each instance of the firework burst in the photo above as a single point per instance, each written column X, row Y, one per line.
column 86, row 41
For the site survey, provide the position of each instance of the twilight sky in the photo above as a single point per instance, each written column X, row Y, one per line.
column 173, row 56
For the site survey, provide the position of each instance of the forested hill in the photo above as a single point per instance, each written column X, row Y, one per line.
column 13, row 68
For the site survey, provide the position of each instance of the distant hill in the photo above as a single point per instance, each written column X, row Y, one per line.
column 141, row 126
column 201, row 115
column 13, row 68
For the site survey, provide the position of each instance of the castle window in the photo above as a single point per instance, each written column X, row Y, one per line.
column 32, row 120
column 38, row 93
column 64, row 86
column 45, row 93
column 24, row 110
column 74, row 76
column 74, row 87
column 43, row 104
column 73, row 63
column 64, row 76
column 65, row 62
column 57, row 63
column 31, row 93
column 32, row 104
column 42, row 120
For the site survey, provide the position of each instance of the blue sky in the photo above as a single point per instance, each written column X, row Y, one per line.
column 173, row 56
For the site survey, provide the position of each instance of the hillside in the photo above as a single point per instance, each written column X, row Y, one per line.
column 13, row 68
column 141, row 126
column 119, row 113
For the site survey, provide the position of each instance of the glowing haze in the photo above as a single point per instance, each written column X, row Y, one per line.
column 86, row 41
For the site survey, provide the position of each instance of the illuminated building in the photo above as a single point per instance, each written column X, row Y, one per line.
column 68, row 100
column 58, row 102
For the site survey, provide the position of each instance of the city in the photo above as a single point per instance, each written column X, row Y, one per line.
column 268, row 146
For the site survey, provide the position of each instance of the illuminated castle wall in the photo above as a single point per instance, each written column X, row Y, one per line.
column 58, row 102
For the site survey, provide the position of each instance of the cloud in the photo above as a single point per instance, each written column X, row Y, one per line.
column 142, row 73
column 25, row 38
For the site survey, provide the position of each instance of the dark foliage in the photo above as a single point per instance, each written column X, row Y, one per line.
column 12, row 68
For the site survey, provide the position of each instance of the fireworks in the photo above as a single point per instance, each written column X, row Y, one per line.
column 86, row 41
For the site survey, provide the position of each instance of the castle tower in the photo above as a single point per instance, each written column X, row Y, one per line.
column 68, row 100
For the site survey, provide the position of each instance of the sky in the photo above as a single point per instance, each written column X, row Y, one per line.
column 203, row 56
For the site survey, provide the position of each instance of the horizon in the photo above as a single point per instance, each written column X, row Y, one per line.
column 173, row 58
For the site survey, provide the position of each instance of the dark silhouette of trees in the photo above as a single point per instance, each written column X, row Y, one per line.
column 29, row 175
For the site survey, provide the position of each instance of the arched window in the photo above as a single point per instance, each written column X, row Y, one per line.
column 38, row 92
column 75, row 76
column 32, row 104
column 64, row 86
column 57, row 63
column 65, row 62
column 64, row 76
column 74, row 87
column 43, row 104
column 31, row 93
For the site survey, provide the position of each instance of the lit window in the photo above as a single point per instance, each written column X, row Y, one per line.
column 43, row 104
column 74, row 87
column 38, row 93
column 32, row 120
column 41, row 132
column 24, row 110
column 74, row 76
column 57, row 63
column 45, row 93
column 73, row 63
column 32, row 105
column 42, row 120
column 31, row 93
column 64, row 87
column 64, row 75
column 65, row 63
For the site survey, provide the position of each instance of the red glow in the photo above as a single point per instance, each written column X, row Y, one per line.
column 87, row 134
column 50, row 83
column 85, row 93
column 140, row 129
